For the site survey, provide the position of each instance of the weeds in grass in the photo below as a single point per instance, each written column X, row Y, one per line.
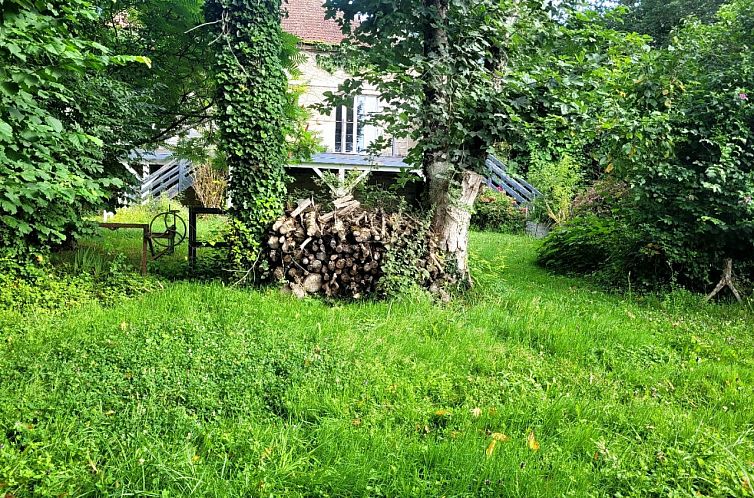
column 88, row 261
column 203, row 390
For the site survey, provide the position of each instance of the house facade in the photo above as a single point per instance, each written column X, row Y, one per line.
column 344, row 133
column 344, row 130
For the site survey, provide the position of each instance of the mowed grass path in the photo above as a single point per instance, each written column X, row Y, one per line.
column 209, row 391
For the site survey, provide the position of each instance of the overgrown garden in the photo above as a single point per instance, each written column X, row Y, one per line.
column 444, row 350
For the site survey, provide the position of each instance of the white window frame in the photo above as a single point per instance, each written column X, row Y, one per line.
column 341, row 139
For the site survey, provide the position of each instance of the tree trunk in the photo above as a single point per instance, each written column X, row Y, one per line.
column 452, row 218
column 726, row 281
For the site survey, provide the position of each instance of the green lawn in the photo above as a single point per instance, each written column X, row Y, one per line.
column 203, row 390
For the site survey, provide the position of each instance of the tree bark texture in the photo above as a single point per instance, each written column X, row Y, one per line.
column 452, row 218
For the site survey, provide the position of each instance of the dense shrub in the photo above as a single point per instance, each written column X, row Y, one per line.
column 602, row 198
column 607, row 248
column 51, row 146
column 673, row 127
column 497, row 212
column 582, row 246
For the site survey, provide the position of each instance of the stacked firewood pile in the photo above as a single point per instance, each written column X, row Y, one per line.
column 339, row 253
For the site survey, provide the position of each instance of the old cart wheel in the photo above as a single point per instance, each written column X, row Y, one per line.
column 168, row 229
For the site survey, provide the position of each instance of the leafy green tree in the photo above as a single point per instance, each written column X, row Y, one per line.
column 445, row 69
column 675, row 125
column 694, row 194
column 51, row 140
column 658, row 18
column 177, row 93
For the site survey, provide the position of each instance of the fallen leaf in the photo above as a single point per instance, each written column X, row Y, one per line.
column 499, row 436
column 532, row 442
column 442, row 413
column 356, row 422
column 491, row 448
column 476, row 412
column 496, row 437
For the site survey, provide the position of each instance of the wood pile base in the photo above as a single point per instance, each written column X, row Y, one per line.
column 339, row 253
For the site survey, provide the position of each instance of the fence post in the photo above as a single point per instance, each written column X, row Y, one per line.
column 192, row 238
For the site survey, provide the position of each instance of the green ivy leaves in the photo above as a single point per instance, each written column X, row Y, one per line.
column 51, row 159
column 252, row 98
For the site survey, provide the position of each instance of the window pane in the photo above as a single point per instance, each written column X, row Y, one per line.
column 360, row 116
column 339, row 129
column 349, row 129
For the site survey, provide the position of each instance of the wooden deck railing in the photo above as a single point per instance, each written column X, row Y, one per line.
column 171, row 179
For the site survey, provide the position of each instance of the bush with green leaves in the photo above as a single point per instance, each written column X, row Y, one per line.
column 679, row 133
column 558, row 176
column 51, row 157
column 495, row 211
column 609, row 250
column 674, row 125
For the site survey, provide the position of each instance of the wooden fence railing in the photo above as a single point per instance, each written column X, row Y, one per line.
column 518, row 188
column 171, row 179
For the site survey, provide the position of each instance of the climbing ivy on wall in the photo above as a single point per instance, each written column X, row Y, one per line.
column 251, row 85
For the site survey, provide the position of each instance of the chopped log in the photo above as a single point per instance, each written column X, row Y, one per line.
column 310, row 222
column 303, row 205
column 288, row 226
column 342, row 201
column 273, row 243
column 313, row 283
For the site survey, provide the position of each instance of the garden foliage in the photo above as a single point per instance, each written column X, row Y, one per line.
column 51, row 140
column 675, row 126
column 495, row 211
column 251, row 100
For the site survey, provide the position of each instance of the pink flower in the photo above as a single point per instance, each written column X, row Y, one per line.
column 743, row 96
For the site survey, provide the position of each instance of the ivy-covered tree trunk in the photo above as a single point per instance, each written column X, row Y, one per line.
column 451, row 191
column 251, row 86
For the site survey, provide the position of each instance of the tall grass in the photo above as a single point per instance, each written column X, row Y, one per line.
column 205, row 390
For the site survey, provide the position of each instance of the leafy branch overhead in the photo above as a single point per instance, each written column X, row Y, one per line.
column 52, row 150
